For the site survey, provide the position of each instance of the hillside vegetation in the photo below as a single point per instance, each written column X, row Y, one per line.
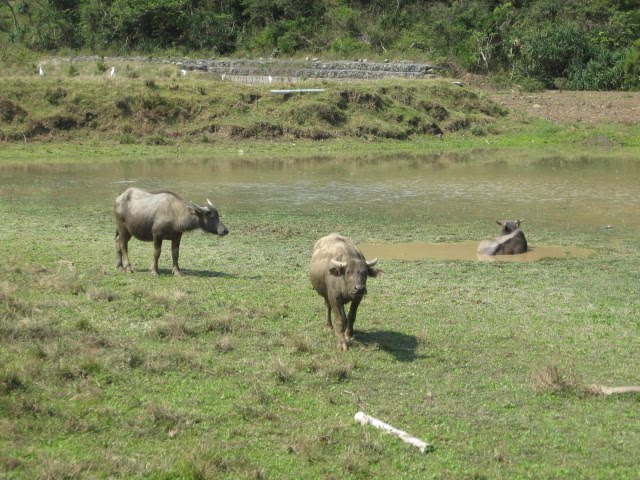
column 161, row 108
column 580, row 45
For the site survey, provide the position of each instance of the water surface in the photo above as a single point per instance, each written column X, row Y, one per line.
column 552, row 193
column 462, row 251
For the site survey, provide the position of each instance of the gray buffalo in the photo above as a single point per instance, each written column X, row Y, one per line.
column 154, row 217
column 338, row 272
column 510, row 241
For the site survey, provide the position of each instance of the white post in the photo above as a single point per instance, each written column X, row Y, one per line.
column 365, row 419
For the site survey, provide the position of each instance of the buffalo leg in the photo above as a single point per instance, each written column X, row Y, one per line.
column 175, row 252
column 340, row 325
column 122, row 251
column 118, row 252
column 157, row 249
column 352, row 317
column 328, row 326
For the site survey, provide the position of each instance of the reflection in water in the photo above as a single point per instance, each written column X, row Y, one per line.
column 553, row 193
column 461, row 251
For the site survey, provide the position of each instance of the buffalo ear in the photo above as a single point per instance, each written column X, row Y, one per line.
column 374, row 272
column 192, row 210
column 500, row 223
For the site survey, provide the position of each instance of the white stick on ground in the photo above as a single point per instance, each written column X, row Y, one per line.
column 365, row 419
column 601, row 389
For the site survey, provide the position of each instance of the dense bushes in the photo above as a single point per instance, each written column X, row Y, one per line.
column 549, row 43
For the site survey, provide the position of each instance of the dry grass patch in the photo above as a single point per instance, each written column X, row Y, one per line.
column 334, row 368
column 10, row 306
column 167, row 298
column 283, row 373
column 175, row 328
column 226, row 323
column 551, row 379
column 299, row 343
column 224, row 344
column 98, row 294
column 164, row 418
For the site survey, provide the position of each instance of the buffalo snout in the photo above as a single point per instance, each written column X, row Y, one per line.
column 359, row 290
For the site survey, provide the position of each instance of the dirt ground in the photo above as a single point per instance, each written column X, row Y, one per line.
column 581, row 107
column 565, row 106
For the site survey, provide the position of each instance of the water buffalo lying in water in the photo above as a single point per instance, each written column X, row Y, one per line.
column 338, row 272
column 510, row 241
column 154, row 217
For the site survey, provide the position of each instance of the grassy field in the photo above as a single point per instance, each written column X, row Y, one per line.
column 226, row 372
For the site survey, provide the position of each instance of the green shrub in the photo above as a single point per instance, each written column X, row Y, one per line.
column 605, row 71
column 158, row 139
column 631, row 66
column 101, row 67
column 550, row 51
column 346, row 46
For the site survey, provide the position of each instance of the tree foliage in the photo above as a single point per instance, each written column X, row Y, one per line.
column 573, row 43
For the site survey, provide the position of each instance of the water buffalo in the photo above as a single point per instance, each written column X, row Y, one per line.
column 338, row 272
column 154, row 217
column 510, row 241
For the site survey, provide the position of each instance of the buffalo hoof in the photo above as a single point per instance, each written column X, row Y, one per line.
column 154, row 273
column 342, row 346
column 177, row 272
column 328, row 328
column 129, row 269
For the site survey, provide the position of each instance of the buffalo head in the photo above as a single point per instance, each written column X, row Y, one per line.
column 509, row 226
column 208, row 218
column 354, row 273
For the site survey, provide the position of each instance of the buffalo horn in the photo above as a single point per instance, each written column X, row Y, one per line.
column 197, row 208
column 338, row 264
column 371, row 263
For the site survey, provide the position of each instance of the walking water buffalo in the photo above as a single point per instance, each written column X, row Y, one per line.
column 510, row 241
column 154, row 217
column 338, row 272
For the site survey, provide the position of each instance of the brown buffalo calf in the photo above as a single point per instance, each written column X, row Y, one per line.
column 338, row 272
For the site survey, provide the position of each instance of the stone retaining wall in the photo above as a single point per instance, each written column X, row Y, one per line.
column 259, row 71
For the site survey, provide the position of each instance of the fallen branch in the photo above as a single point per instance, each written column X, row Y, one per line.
column 603, row 390
column 365, row 419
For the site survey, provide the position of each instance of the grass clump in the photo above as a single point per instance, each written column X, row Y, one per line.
column 551, row 379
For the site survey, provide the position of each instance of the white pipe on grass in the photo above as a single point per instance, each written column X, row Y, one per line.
column 365, row 419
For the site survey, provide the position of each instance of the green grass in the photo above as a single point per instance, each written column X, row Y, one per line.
column 226, row 372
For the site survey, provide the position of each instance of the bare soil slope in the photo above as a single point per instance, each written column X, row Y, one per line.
column 566, row 106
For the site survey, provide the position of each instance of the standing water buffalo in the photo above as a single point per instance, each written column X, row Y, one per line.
column 510, row 241
column 338, row 272
column 154, row 217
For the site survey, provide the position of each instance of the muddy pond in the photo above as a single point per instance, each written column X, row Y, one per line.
column 584, row 193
